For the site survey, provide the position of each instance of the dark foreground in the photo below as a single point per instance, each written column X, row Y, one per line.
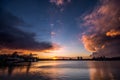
column 62, row 70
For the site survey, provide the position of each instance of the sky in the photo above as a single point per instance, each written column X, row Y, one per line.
column 67, row 28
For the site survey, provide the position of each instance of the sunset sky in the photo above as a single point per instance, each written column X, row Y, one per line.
column 68, row 28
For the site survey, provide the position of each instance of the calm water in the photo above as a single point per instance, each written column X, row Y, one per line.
column 63, row 70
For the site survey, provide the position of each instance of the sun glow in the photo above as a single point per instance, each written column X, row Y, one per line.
column 54, row 58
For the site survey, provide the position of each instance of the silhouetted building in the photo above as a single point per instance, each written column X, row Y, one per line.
column 79, row 58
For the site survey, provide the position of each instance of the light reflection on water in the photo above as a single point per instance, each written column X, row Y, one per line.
column 62, row 70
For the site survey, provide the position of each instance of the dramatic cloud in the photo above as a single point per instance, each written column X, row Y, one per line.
column 103, row 34
column 12, row 38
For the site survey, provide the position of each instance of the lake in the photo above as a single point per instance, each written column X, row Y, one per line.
column 62, row 70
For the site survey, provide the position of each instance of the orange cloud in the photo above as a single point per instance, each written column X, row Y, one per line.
column 103, row 34
column 23, row 51
column 92, row 42
column 54, row 48
column 113, row 33
column 88, row 43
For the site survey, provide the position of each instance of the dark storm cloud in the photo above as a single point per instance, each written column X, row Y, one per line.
column 11, row 37
column 103, row 35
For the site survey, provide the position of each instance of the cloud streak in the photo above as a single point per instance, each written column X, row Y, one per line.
column 103, row 34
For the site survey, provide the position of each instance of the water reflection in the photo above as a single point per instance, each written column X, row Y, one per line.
column 104, row 70
column 62, row 70
column 13, row 69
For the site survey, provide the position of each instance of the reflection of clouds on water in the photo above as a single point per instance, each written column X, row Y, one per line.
column 104, row 70
column 29, row 71
column 21, row 72
column 62, row 70
column 47, row 70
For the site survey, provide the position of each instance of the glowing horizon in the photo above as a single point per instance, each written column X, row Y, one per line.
column 60, row 27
